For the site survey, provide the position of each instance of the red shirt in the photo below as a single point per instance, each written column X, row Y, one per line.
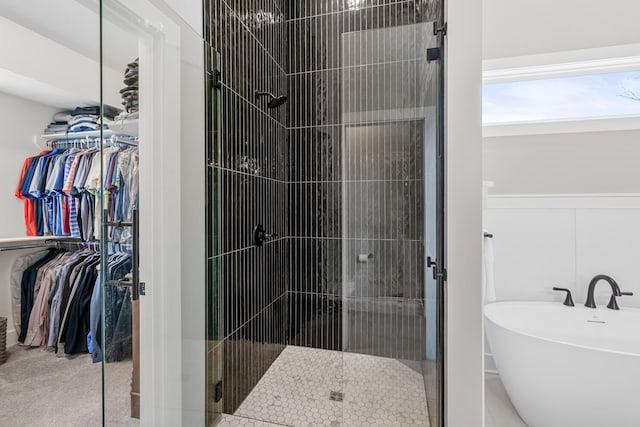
column 29, row 209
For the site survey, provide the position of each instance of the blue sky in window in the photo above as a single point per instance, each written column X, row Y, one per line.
column 596, row 95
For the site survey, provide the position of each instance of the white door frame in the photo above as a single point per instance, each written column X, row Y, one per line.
column 172, row 256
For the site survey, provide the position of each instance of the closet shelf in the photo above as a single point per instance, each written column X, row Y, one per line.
column 119, row 128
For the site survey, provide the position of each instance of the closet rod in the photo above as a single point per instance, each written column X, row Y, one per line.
column 53, row 243
column 106, row 133
column 110, row 140
column 76, row 244
column 32, row 246
column 126, row 142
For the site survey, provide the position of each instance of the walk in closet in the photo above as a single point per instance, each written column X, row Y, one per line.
column 102, row 253
column 69, row 199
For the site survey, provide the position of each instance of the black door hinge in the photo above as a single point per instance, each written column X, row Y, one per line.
column 439, row 30
column 215, row 79
column 434, row 54
column 438, row 272
column 217, row 395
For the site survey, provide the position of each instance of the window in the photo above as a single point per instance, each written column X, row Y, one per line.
column 614, row 94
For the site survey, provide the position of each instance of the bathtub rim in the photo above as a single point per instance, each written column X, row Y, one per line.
column 487, row 318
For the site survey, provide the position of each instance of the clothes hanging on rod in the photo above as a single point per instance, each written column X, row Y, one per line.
column 53, row 292
column 15, row 281
column 117, row 315
column 60, row 187
column 60, row 303
column 25, row 261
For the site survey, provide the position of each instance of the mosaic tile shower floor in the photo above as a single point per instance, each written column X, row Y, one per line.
column 309, row 387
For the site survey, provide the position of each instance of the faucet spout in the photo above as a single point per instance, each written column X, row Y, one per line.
column 592, row 286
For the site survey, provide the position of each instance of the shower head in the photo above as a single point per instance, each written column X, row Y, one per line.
column 274, row 101
column 277, row 102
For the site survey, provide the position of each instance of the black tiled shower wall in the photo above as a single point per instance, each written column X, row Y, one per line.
column 318, row 42
column 247, row 186
column 250, row 350
column 359, row 87
column 337, row 172
column 426, row 10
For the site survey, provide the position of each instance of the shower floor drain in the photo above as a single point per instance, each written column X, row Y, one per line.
column 336, row 395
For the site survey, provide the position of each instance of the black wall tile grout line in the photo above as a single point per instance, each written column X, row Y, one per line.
column 254, row 36
column 337, row 12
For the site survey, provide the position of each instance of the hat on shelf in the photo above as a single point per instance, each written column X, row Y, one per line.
column 130, row 93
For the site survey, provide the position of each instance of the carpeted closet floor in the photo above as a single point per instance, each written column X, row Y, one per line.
column 40, row 388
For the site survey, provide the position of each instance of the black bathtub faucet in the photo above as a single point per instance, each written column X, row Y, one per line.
column 614, row 288
column 568, row 300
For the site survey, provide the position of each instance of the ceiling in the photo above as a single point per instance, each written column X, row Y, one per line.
column 75, row 25
column 521, row 28
column 72, row 24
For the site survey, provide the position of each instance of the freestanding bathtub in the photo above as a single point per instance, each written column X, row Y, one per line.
column 568, row 366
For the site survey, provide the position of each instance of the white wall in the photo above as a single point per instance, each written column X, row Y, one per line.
column 589, row 162
column 464, row 366
column 48, row 72
column 61, row 22
column 190, row 11
column 518, row 27
column 565, row 240
column 21, row 120
column 193, row 250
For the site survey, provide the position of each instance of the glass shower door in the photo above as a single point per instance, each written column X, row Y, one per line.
column 215, row 346
column 118, row 346
column 392, row 358
column 336, row 321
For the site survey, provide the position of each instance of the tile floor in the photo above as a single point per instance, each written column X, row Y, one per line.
column 235, row 421
column 297, row 391
column 499, row 411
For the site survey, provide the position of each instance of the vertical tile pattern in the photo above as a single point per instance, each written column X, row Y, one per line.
column 361, row 113
column 361, row 94
column 247, row 186
column 337, row 172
